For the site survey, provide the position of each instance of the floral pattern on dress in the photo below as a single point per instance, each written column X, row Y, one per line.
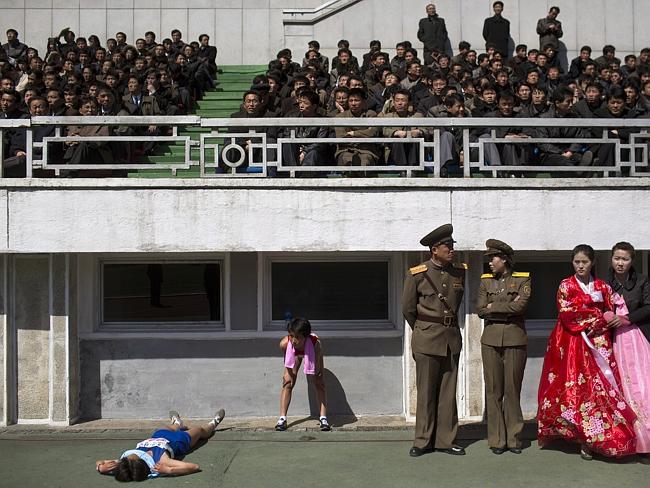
column 576, row 401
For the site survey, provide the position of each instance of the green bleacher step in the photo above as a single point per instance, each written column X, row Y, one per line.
column 218, row 104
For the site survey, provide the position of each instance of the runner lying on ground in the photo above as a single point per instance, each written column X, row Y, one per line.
column 159, row 455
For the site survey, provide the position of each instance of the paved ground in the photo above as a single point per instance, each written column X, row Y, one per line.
column 39, row 457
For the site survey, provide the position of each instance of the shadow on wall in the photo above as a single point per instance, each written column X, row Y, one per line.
column 337, row 403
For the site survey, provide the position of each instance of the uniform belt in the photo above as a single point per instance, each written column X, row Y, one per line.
column 448, row 321
column 504, row 321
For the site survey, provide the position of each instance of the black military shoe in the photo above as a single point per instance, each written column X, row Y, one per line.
column 498, row 450
column 418, row 451
column 515, row 450
column 454, row 451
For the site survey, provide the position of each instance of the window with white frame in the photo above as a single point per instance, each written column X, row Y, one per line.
column 332, row 291
column 161, row 292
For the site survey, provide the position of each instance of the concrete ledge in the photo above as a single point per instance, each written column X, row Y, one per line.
column 443, row 184
column 139, row 429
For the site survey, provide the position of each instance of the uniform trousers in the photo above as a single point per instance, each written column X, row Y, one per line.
column 436, row 417
column 503, row 370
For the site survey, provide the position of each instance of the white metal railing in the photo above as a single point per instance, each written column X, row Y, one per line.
column 220, row 139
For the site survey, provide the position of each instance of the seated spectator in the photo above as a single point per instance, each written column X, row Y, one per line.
column 10, row 105
column 523, row 97
column 344, row 66
column 290, row 103
column 425, row 99
column 538, row 104
column 578, row 63
column 486, row 101
column 508, row 154
column 354, row 63
column 250, row 109
column 398, row 63
column 312, row 153
column 591, row 103
column 614, row 108
column 357, row 153
column 379, row 93
column 399, row 106
column 413, row 75
column 90, row 152
column 314, row 48
column 562, row 154
column 372, row 74
column 608, row 58
column 338, row 101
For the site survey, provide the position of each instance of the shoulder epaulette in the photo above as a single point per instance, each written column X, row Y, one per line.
column 463, row 265
column 487, row 275
column 418, row 269
column 521, row 274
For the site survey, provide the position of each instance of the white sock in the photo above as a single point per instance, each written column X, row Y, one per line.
column 283, row 418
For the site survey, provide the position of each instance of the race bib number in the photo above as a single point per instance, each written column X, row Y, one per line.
column 154, row 442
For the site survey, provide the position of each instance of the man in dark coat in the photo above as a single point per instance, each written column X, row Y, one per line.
column 550, row 30
column 432, row 32
column 496, row 31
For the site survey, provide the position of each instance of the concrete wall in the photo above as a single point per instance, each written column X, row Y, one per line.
column 317, row 215
column 251, row 31
column 145, row 378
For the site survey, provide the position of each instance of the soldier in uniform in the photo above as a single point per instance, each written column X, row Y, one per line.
column 502, row 300
column 432, row 295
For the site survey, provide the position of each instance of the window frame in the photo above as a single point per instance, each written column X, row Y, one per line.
column 394, row 321
column 163, row 326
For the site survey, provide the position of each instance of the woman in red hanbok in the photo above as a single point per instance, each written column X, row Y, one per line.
column 579, row 399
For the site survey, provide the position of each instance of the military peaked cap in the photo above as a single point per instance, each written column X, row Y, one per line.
column 495, row 246
column 441, row 235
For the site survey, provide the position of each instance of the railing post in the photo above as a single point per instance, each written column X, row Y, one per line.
column 2, row 153
column 466, row 155
column 30, row 152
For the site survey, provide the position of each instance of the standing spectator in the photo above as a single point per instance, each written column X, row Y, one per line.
column 496, row 31
column 14, row 49
column 550, row 30
column 208, row 54
column 432, row 32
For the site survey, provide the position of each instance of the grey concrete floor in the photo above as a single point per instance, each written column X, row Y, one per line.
column 306, row 458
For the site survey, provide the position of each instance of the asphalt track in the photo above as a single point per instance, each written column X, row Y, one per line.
column 310, row 459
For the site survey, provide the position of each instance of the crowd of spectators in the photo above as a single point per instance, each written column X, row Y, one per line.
column 78, row 76
column 484, row 83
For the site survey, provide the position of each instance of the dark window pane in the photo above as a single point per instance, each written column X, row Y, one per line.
column 330, row 290
column 169, row 292
column 545, row 279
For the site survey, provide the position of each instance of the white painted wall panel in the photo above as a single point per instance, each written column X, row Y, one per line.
column 325, row 216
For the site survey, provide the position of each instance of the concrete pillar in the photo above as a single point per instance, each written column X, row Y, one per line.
column 63, row 349
column 474, row 388
column 7, row 350
column 30, row 311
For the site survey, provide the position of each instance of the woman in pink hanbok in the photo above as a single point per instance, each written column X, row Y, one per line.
column 631, row 346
